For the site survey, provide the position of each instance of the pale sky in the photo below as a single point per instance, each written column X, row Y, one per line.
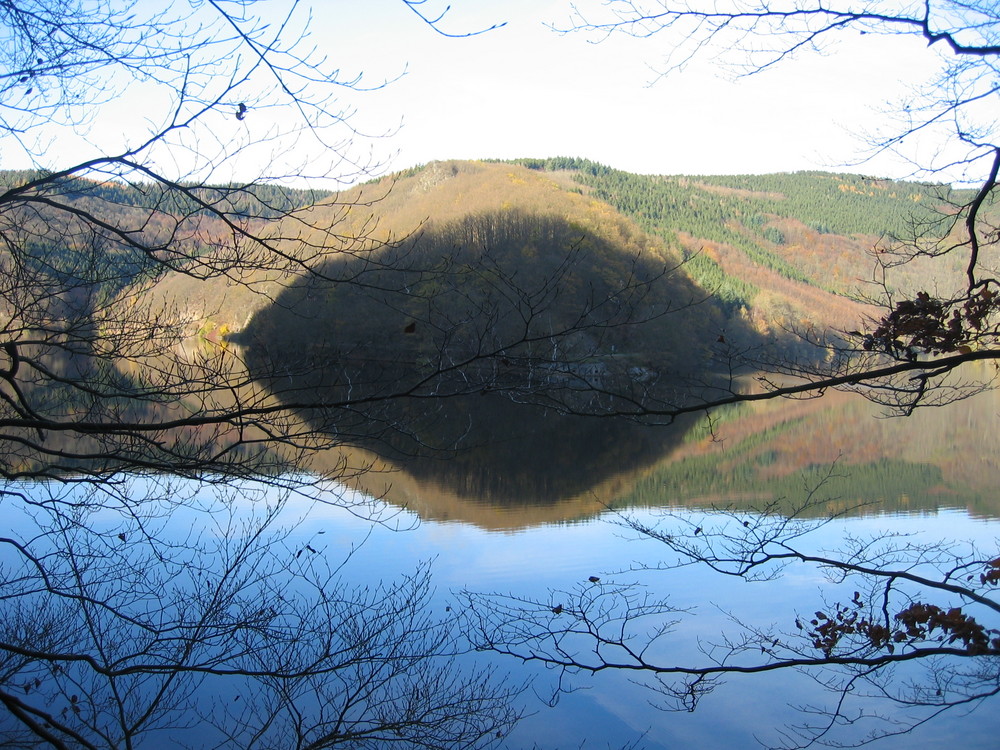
column 524, row 90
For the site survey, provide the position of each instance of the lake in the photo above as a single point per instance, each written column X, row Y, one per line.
column 534, row 513
column 932, row 474
column 610, row 710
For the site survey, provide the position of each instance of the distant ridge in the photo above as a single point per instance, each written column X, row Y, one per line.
column 773, row 251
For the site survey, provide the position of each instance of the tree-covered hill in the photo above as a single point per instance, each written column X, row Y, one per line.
column 765, row 244
column 416, row 223
column 774, row 252
column 512, row 286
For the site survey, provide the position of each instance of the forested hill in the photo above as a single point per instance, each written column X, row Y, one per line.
column 767, row 244
column 776, row 251
column 250, row 200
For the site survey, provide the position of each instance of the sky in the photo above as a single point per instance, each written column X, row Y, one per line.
column 526, row 90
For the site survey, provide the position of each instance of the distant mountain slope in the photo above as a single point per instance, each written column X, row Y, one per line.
column 110, row 235
column 424, row 215
column 773, row 251
column 771, row 245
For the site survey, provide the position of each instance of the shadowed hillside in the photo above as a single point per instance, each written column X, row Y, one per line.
column 477, row 339
column 784, row 250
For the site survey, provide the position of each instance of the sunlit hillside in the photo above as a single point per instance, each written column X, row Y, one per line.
column 772, row 252
column 786, row 250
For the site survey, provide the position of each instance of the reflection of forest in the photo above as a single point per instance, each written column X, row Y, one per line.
column 520, row 466
column 486, row 460
column 513, row 465
column 934, row 459
column 560, row 470
column 778, row 452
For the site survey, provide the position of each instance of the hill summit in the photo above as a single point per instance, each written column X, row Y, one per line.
column 768, row 253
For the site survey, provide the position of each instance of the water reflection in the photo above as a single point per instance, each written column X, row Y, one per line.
column 499, row 463
column 517, row 463
column 521, row 465
column 612, row 710
column 175, row 613
column 754, row 453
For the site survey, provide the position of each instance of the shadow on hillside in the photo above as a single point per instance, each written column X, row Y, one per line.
column 492, row 354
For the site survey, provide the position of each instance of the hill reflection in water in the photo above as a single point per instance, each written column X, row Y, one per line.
column 501, row 465
column 435, row 369
column 506, row 465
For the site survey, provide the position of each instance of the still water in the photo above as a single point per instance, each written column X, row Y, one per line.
column 524, row 528
column 612, row 710
column 535, row 516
